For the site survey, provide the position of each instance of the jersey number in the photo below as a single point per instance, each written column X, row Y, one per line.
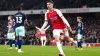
column 19, row 19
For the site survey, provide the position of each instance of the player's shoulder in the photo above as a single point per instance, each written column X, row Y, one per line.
column 22, row 14
column 56, row 10
column 15, row 14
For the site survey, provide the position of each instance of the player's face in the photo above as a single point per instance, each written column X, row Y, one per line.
column 49, row 5
column 78, row 20
column 9, row 18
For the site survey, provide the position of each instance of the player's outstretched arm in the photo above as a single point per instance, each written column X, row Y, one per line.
column 47, row 27
column 37, row 27
column 45, row 22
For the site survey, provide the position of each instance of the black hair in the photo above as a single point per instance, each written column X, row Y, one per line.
column 19, row 8
column 50, row 1
column 79, row 18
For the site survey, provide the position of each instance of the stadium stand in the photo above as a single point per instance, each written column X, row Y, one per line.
column 40, row 4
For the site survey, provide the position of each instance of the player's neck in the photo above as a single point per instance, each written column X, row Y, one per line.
column 80, row 21
column 19, row 11
column 51, row 9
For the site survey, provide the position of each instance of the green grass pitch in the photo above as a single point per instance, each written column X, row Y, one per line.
column 48, row 51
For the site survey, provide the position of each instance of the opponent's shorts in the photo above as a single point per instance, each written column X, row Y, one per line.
column 10, row 36
column 79, row 36
column 43, row 38
column 20, row 31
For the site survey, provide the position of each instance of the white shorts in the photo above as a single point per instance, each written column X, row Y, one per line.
column 43, row 38
column 59, row 31
column 10, row 36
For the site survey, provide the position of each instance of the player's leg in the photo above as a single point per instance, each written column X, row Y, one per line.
column 41, row 41
column 70, row 39
column 62, row 38
column 15, row 43
column 10, row 43
column 79, row 41
column 56, row 34
column 10, row 40
column 19, row 44
column 17, row 36
column 75, row 43
column 44, row 38
column 14, row 40
column 67, row 35
column 21, row 35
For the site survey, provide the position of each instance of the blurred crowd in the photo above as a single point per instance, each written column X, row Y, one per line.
column 6, row 5
column 91, row 31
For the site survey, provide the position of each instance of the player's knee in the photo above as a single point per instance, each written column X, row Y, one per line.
column 57, row 38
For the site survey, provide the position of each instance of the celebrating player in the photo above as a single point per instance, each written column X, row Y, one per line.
column 43, row 35
column 58, row 22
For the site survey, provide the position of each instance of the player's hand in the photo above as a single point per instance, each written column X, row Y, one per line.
column 65, row 30
column 70, row 29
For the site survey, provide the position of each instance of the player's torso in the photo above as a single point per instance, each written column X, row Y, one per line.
column 79, row 27
column 43, row 33
column 19, row 19
column 10, row 26
column 55, row 20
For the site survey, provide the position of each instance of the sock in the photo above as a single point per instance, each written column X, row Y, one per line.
column 10, row 42
column 19, row 44
column 15, row 42
column 59, row 47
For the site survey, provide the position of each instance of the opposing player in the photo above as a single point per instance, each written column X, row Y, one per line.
column 19, row 19
column 11, row 33
column 58, row 22
column 80, row 32
column 43, row 35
